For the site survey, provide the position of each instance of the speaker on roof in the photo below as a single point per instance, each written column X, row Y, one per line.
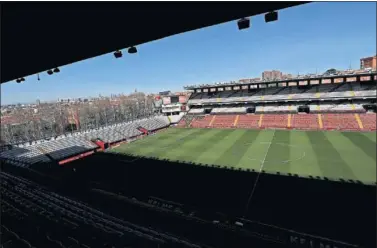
column 271, row 17
column 243, row 23
column 132, row 50
column 118, row 54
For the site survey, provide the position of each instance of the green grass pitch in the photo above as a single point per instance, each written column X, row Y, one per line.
column 331, row 154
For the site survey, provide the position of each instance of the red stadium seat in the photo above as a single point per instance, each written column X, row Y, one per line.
column 339, row 122
column 369, row 121
column 223, row 121
column 248, row 121
column 274, row 121
column 304, row 121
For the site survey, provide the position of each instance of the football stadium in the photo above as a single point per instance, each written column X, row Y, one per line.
column 335, row 155
column 262, row 168
column 283, row 161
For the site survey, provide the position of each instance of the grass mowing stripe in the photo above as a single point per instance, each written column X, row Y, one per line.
column 329, row 160
column 303, row 158
column 363, row 142
column 205, row 145
column 176, row 143
column 233, row 155
column 210, row 156
column 150, row 144
column 370, row 135
column 278, row 158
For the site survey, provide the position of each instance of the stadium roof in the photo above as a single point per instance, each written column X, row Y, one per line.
column 36, row 37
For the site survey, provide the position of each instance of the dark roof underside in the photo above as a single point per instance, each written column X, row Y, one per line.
column 36, row 37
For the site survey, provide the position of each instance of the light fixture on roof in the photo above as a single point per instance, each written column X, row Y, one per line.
column 243, row 23
column 271, row 17
column 22, row 79
column 50, row 72
column 132, row 50
column 18, row 80
column 118, row 54
column 56, row 70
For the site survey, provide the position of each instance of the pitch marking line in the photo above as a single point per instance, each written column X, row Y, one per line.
column 260, row 170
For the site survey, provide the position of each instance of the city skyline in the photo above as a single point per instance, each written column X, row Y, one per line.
column 306, row 39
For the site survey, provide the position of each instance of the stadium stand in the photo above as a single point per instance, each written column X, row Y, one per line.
column 59, row 221
column 324, row 121
column 222, row 121
column 305, row 121
column 248, row 121
column 61, row 147
column 175, row 118
column 273, row 121
column 368, row 121
column 337, row 105
column 343, row 90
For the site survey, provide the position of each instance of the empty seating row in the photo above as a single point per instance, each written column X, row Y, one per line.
column 222, row 121
column 284, row 108
column 196, row 111
column 225, row 110
column 340, row 90
column 328, row 121
column 72, row 144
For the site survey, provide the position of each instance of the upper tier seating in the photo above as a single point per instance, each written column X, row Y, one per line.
column 338, row 90
column 196, row 111
column 227, row 110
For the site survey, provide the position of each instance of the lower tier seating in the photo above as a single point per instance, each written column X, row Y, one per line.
column 340, row 121
column 71, row 144
column 304, row 121
column 328, row 121
column 224, row 121
column 274, row 121
column 201, row 122
column 368, row 121
column 248, row 121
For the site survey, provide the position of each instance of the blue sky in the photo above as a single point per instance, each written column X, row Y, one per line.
column 315, row 36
